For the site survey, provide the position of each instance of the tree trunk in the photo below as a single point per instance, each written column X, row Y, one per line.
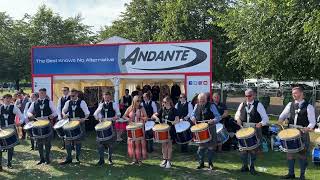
column 17, row 86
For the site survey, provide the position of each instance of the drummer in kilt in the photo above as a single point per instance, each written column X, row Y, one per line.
column 205, row 111
column 8, row 112
column 78, row 109
column 107, row 110
column 43, row 107
column 169, row 115
column 251, row 113
column 34, row 97
column 301, row 115
column 184, row 109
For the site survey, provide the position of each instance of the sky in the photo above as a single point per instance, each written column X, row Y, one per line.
column 96, row 13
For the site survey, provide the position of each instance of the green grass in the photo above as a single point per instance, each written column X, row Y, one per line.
column 226, row 164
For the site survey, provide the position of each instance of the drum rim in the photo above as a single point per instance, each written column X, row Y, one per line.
column 202, row 142
column 30, row 122
column 11, row 145
column 121, row 120
column 161, row 130
column 71, row 128
column 133, row 126
column 55, row 126
column 9, row 135
column 73, row 138
column 287, row 138
column 103, row 128
column 184, row 122
column 249, row 135
column 199, row 129
column 37, row 126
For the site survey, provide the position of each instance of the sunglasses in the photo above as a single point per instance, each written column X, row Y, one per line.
column 72, row 95
column 248, row 95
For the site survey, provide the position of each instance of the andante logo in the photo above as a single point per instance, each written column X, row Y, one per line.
column 174, row 55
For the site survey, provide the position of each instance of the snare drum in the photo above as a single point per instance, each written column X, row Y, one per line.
column 8, row 138
column 121, row 124
column 201, row 133
column 41, row 129
column 222, row 133
column 58, row 127
column 104, row 131
column 183, row 131
column 148, row 129
column 161, row 133
column 72, row 130
column 28, row 128
column 247, row 138
column 291, row 140
column 135, row 131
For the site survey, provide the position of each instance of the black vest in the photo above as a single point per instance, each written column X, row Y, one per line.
column 46, row 110
column 254, row 114
column 127, row 101
column 168, row 114
column 182, row 109
column 109, row 108
column 78, row 111
column 148, row 108
column 63, row 102
column 204, row 113
column 302, row 115
column 11, row 116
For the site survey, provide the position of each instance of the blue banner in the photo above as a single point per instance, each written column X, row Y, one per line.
column 76, row 60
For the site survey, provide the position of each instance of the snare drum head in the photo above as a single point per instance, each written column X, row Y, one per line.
column 219, row 127
column 71, row 124
column 103, row 125
column 289, row 133
column 41, row 123
column 245, row 132
column 134, row 125
column 60, row 123
column 182, row 126
column 161, row 127
column 199, row 127
column 122, row 120
column 4, row 133
column 29, row 125
column 149, row 125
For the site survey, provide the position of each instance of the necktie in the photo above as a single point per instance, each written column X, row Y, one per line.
column 296, row 106
column 249, row 106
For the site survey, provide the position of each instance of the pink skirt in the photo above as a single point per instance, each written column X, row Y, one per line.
column 137, row 149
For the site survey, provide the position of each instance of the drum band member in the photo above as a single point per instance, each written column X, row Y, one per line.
column 151, row 108
column 301, row 115
column 22, row 100
column 184, row 109
column 136, row 114
column 75, row 109
column 204, row 111
column 251, row 113
column 106, row 111
column 8, row 112
column 34, row 97
column 41, row 108
column 169, row 115
column 61, row 102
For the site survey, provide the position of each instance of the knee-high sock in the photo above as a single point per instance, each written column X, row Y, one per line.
column 244, row 158
column 78, row 150
column 48, row 150
column 0, row 157
column 10, row 154
column 291, row 166
column 210, row 155
column 303, row 165
column 40, row 149
column 101, row 152
column 200, row 153
column 69, row 152
column 253, row 158
column 110, row 152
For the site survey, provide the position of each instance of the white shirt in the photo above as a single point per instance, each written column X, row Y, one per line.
column 16, row 111
column 59, row 112
column 310, row 111
column 51, row 106
column 153, row 104
column 190, row 108
column 98, row 115
column 261, row 110
column 83, row 106
column 25, row 112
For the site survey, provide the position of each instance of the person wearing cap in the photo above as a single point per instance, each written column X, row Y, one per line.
column 298, row 114
column 251, row 113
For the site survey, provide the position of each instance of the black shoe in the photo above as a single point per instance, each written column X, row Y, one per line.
column 66, row 162
column 1, row 169
column 48, row 161
column 32, row 149
column 288, row 176
column 41, row 162
column 210, row 166
column 100, row 163
column 244, row 169
column 78, row 160
column 110, row 162
column 9, row 166
column 302, row 177
column 200, row 166
column 253, row 171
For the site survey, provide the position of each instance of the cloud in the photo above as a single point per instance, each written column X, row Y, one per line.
column 96, row 13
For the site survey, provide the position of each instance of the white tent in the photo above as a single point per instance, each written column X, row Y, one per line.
column 114, row 39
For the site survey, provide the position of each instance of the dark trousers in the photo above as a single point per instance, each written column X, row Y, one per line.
column 10, row 155
column 184, row 147
column 149, row 146
column 101, row 150
column 69, row 145
column 44, row 146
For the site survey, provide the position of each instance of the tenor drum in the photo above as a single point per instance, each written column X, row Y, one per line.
column 72, row 130
column 248, row 139
column 183, row 131
column 201, row 133
column 135, row 131
column 291, row 140
column 41, row 129
column 161, row 133
column 104, row 131
column 8, row 138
